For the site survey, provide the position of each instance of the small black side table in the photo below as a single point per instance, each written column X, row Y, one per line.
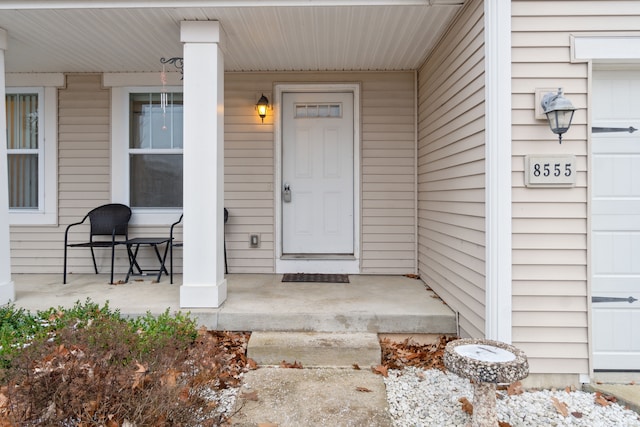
column 133, row 254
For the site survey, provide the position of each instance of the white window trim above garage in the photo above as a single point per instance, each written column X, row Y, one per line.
column 46, row 85
column 123, row 84
column 614, row 48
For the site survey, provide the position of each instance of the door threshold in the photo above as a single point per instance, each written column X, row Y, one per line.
column 318, row 263
column 341, row 257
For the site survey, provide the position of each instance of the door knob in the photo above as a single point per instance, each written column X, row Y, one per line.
column 286, row 193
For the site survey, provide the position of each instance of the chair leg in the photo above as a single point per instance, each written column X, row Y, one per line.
column 93, row 256
column 226, row 267
column 113, row 258
column 171, row 262
column 64, row 269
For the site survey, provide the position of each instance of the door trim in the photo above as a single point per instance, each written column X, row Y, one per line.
column 348, row 265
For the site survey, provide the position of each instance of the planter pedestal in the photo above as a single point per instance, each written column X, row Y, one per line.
column 486, row 363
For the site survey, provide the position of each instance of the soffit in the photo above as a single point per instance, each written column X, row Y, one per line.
column 276, row 38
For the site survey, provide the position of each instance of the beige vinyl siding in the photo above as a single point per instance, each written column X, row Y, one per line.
column 451, row 177
column 83, row 178
column 550, row 226
column 387, row 180
column 387, row 169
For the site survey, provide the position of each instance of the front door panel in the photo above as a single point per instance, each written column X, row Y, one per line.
column 317, row 173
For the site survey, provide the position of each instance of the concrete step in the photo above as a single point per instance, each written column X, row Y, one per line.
column 315, row 349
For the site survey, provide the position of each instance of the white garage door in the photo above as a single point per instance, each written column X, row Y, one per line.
column 615, row 214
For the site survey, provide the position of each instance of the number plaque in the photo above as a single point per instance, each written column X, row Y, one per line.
column 550, row 171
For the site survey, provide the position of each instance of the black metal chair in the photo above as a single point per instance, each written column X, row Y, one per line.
column 112, row 221
column 178, row 244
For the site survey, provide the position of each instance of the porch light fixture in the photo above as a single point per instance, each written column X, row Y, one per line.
column 261, row 106
column 559, row 111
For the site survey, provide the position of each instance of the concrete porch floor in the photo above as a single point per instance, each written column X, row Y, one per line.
column 260, row 302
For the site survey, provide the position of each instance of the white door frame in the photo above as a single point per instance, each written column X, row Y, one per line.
column 337, row 264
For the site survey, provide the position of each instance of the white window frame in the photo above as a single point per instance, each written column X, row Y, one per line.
column 120, row 156
column 46, row 213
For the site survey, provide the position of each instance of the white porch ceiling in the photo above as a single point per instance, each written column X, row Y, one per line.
column 290, row 36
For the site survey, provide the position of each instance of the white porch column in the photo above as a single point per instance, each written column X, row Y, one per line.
column 7, row 289
column 204, row 284
column 498, row 292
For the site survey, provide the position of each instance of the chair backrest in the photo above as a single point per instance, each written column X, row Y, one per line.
column 105, row 218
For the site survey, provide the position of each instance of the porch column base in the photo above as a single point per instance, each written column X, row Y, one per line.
column 7, row 292
column 203, row 296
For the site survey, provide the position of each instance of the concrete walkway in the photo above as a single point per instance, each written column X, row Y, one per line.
column 625, row 386
column 312, row 397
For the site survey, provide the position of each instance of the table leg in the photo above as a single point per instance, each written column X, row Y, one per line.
column 161, row 260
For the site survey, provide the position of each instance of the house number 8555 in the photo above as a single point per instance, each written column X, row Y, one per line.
column 550, row 171
column 545, row 169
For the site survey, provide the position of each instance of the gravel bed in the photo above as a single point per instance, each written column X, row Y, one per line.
column 420, row 397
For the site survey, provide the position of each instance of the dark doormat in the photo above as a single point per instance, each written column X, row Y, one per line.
column 317, row 278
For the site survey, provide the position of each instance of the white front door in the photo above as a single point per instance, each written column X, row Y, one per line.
column 317, row 173
column 615, row 218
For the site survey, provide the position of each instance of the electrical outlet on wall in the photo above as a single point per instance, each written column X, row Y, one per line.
column 254, row 240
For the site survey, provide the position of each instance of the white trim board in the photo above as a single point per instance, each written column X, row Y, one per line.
column 498, row 288
column 615, row 48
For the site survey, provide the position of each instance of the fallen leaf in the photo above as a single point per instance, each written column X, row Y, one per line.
column 632, row 383
column 252, row 364
column 184, row 394
column 515, row 388
column 90, row 407
column 356, row 367
column 601, row 401
column 561, row 407
column 577, row 414
column 138, row 376
column 382, row 370
column 251, row 395
column 364, row 389
column 170, row 377
column 466, row 405
column 294, row 365
column 503, row 424
column 267, row 425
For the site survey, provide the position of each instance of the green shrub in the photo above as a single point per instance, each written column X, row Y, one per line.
column 177, row 331
column 17, row 328
column 88, row 365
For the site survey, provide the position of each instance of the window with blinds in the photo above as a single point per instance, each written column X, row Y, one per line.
column 24, row 150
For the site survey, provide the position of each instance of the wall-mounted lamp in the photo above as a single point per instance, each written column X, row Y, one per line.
column 261, row 106
column 559, row 111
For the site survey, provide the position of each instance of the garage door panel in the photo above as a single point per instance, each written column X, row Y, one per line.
column 621, row 329
column 615, row 221
column 620, row 175
column 616, row 253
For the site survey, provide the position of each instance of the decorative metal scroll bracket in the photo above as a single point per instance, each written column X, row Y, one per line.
column 630, row 300
column 176, row 62
column 630, row 129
